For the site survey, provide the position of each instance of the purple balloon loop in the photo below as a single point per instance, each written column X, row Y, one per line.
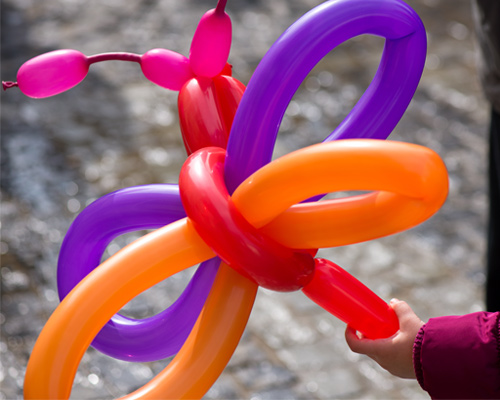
column 127, row 210
column 299, row 49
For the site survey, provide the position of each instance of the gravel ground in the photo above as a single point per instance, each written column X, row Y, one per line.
column 117, row 130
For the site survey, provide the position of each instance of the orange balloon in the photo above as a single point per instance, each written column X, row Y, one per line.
column 410, row 184
column 412, row 180
column 211, row 343
column 77, row 320
column 80, row 316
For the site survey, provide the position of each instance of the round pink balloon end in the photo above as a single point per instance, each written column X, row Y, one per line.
column 52, row 73
column 211, row 44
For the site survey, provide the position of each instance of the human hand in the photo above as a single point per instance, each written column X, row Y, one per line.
column 395, row 354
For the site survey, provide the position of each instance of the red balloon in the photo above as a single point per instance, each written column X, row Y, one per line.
column 227, row 70
column 348, row 299
column 206, row 111
column 219, row 223
column 228, row 93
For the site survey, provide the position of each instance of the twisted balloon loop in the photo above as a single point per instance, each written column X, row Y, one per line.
column 235, row 240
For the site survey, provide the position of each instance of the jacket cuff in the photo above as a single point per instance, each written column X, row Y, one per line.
column 417, row 360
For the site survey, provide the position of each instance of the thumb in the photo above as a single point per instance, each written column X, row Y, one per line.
column 406, row 316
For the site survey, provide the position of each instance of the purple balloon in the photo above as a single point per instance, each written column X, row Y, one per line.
column 127, row 210
column 299, row 49
column 250, row 146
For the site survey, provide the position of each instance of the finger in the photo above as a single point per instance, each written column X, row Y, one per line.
column 399, row 306
column 402, row 309
column 406, row 316
column 351, row 338
column 355, row 343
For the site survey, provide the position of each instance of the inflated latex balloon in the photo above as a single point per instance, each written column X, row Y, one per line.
column 52, row 73
column 206, row 111
column 250, row 214
column 166, row 68
column 398, row 200
column 177, row 246
column 220, row 224
column 211, row 43
column 348, row 299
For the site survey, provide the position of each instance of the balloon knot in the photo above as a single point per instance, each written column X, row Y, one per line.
column 221, row 5
column 8, row 85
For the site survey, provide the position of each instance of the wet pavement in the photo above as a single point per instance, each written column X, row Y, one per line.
column 116, row 130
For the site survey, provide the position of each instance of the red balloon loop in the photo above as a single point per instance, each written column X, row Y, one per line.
column 219, row 223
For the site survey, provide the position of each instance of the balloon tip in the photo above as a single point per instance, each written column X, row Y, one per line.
column 7, row 85
column 221, row 5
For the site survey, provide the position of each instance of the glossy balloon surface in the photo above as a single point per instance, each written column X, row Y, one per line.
column 230, row 235
column 211, row 44
column 348, row 299
column 52, row 73
column 166, row 68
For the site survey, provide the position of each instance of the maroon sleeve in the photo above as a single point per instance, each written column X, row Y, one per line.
column 459, row 357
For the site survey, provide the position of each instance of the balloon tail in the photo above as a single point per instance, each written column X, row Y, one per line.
column 8, row 84
column 221, row 5
column 120, row 56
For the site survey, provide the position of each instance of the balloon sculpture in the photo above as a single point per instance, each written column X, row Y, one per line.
column 248, row 221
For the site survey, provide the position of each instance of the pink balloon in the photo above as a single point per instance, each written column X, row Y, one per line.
column 52, row 73
column 211, row 44
column 166, row 68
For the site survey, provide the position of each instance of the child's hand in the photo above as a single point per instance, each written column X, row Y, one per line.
column 395, row 354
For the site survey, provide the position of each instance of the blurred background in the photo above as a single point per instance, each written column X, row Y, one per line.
column 116, row 129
